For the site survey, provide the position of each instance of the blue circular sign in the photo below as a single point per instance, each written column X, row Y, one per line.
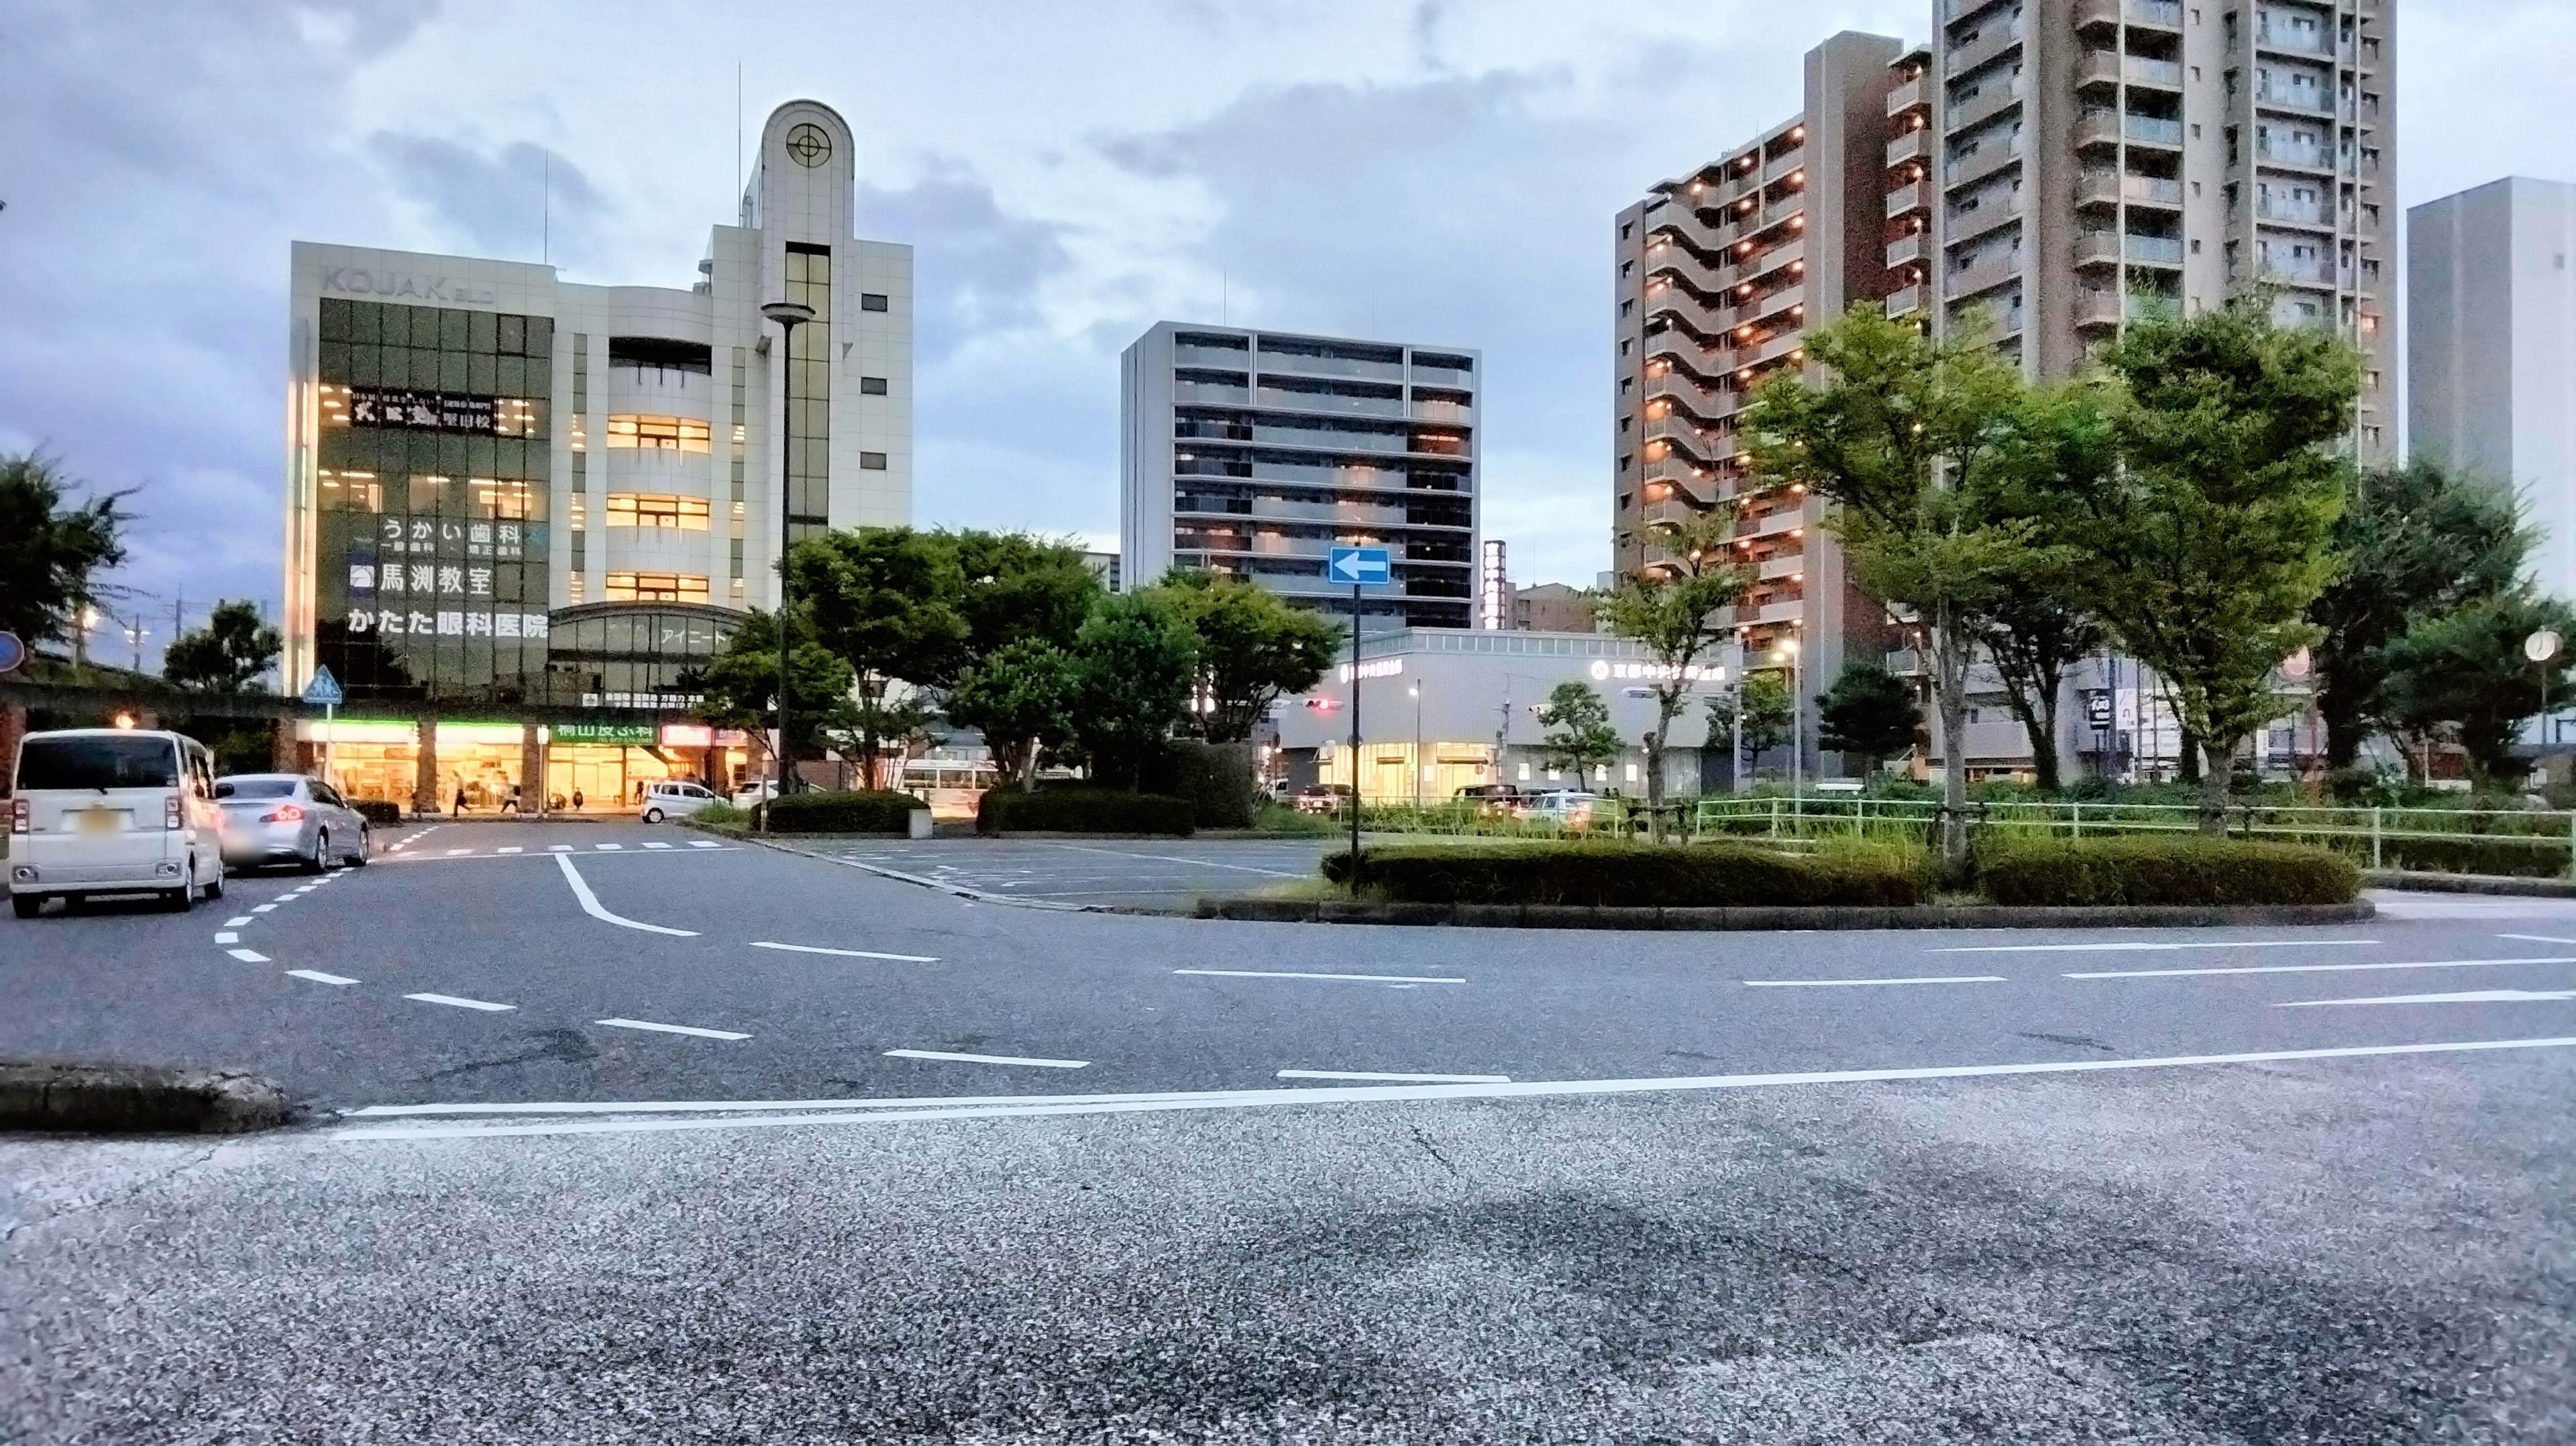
column 12, row 651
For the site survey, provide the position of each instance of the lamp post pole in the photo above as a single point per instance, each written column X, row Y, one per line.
column 1416, row 690
column 789, row 315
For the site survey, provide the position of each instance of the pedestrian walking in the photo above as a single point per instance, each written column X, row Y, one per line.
column 511, row 804
column 459, row 810
column 576, row 800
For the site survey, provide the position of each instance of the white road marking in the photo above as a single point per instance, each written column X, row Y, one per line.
column 237, row 923
column 845, row 953
column 608, row 848
column 987, row 1058
column 512, row 849
column 460, row 1003
column 836, row 1112
column 248, row 956
column 2320, row 968
column 261, row 908
column 670, row 1028
column 2128, row 947
column 2536, row 939
column 657, row 846
column 318, row 977
column 1395, row 1078
column 590, row 902
column 1172, row 859
column 704, row 843
column 1923, row 979
column 456, row 853
column 228, row 937
column 1287, row 974
column 559, row 848
column 2470, row 996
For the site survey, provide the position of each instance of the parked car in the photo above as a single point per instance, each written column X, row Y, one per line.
column 1323, row 798
column 1492, row 800
column 1564, row 807
column 287, row 818
column 675, row 798
column 113, row 811
column 758, row 791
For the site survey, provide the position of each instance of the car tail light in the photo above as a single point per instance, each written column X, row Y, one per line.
column 170, row 811
column 286, row 813
column 18, row 815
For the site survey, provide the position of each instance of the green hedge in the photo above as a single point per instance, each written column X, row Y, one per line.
column 382, row 812
column 1078, row 808
column 2518, row 856
column 1620, row 875
column 850, row 811
column 2163, row 869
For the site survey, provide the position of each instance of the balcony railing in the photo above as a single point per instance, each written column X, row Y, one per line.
column 2310, row 157
column 1904, row 251
column 1910, row 146
column 1905, row 97
column 1333, row 366
column 2292, row 215
column 2290, row 99
column 2152, row 130
column 1905, row 301
column 1904, row 199
column 2095, row 248
column 2284, row 38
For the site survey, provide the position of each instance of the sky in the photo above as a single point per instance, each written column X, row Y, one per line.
column 1440, row 173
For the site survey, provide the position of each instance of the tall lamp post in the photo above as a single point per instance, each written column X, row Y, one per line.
column 1788, row 652
column 789, row 315
column 1416, row 690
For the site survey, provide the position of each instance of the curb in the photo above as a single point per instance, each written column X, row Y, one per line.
column 1967, row 916
column 2433, row 883
column 137, row 1099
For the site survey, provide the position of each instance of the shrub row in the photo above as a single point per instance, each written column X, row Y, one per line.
column 2163, row 869
column 1615, row 875
column 1080, row 808
column 2521, row 857
column 843, row 811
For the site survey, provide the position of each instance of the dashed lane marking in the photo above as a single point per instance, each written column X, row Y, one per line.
column 657, row 846
column 2322, row 968
column 248, row 956
column 458, row 853
column 228, row 937
column 2137, row 947
column 608, row 848
column 450, row 999
column 1287, row 974
column 261, row 908
column 845, row 953
column 1830, row 983
column 704, row 843
column 670, row 1028
column 512, row 849
column 987, row 1058
column 1353, row 1074
column 318, row 977
column 237, row 923
column 559, row 848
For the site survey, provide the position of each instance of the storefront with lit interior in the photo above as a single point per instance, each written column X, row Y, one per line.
column 604, row 765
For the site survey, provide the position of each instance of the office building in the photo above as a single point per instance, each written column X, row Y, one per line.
column 2491, row 349
column 2102, row 159
column 512, row 497
column 1720, row 272
column 1553, row 607
column 1253, row 453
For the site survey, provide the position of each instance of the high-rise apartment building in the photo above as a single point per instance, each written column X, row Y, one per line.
column 1255, row 452
column 1720, row 272
column 2101, row 158
column 2491, row 349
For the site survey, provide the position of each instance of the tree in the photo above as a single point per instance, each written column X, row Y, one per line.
column 2417, row 541
column 1906, row 436
column 2203, row 550
column 50, row 548
column 886, row 601
column 1138, row 659
column 1764, row 697
column 738, row 687
column 2033, row 635
column 1014, row 586
column 1869, row 713
column 1579, row 734
column 2464, row 672
column 233, row 648
column 1672, row 607
column 1253, row 648
column 1023, row 698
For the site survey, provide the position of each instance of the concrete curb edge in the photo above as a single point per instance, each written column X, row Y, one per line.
column 1969, row 916
column 2433, row 883
column 137, row 1099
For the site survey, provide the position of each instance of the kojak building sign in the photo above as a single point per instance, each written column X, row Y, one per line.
column 359, row 281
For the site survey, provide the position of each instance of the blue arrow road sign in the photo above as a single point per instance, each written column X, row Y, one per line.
column 1357, row 565
column 12, row 651
column 324, row 690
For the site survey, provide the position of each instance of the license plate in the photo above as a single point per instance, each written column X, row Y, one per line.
column 102, row 820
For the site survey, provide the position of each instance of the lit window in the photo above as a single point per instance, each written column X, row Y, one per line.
column 653, row 509
column 669, row 434
column 656, row 587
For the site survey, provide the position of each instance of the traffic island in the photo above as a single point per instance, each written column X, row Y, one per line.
column 124, row 1099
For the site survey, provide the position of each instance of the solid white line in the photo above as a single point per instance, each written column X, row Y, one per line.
column 248, row 956
column 2471, row 996
column 236, row 923
column 868, row 1111
column 512, row 849
column 845, row 953
column 2536, row 939
column 454, row 853
column 987, row 1058
column 670, row 1028
column 459, row 1003
column 2318, row 968
column 1286, row 974
column 657, row 846
column 590, row 902
column 2126, row 947
column 318, row 977
column 1396, row 1078
column 611, row 848
column 1171, row 859
column 228, row 937
column 1927, row 979
column 704, row 843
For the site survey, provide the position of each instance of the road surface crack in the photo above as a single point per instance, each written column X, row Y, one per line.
column 1432, row 1150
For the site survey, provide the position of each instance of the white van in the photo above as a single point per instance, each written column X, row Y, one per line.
column 113, row 811
column 674, row 798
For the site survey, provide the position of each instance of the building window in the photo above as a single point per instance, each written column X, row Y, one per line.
column 656, row 587
column 653, row 509
column 662, row 434
column 872, row 386
column 872, row 461
column 872, row 301
column 809, row 394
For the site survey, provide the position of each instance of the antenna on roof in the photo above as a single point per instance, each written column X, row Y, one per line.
column 546, row 210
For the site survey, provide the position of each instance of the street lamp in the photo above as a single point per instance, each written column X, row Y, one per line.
column 1788, row 652
column 789, row 315
column 1416, row 690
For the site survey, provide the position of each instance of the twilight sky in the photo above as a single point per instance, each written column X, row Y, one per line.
column 1069, row 174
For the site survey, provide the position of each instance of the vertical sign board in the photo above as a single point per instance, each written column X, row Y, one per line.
column 325, row 690
column 1360, row 567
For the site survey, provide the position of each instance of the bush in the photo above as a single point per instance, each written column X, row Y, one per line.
column 1216, row 778
column 843, row 811
column 2163, row 869
column 1618, row 875
column 382, row 812
column 721, row 815
column 2517, row 856
column 1081, row 808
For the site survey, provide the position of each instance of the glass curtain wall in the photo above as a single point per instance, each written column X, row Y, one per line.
column 809, row 394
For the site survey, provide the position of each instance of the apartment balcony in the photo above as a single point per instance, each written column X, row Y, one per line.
column 1779, row 611
column 2104, row 67
column 1669, row 512
column 1782, row 164
column 1765, row 262
column 1905, row 301
column 1913, row 93
column 2103, row 127
column 1904, row 199
column 2111, row 188
column 1435, row 409
column 2098, row 306
column 1771, row 306
column 2311, row 102
column 2110, row 248
column 1301, row 364
column 1988, row 159
column 2293, row 42
column 2313, row 217
column 1914, row 145
column 1989, row 273
column 1998, row 96
column 1992, row 40
column 2316, row 275
column 2309, row 158
column 1904, row 251
column 2151, row 14
column 1968, row 225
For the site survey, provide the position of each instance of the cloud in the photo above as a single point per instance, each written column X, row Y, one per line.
column 521, row 199
column 977, row 268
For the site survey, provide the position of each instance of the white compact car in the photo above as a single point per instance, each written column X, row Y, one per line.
column 674, row 798
column 287, row 818
column 113, row 811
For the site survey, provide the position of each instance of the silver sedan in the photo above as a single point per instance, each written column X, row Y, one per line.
column 287, row 818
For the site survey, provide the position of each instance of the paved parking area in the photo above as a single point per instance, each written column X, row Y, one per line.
column 1150, row 873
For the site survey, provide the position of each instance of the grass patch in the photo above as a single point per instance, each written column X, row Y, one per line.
column 1621, row 875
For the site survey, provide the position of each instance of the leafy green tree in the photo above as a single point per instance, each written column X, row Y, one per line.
column 1014, row 586
column 224, row 656
column 2203, row 551
column 2464, row 673
column 1253, row 648
column 886, row 601
column 2417, row 541
column 2032, row 637
column 1579, row 735
column 1676, row 608
column 1138, row 659
column 50, row 547
column 1869, row 713
column 1764, row 696
column 1024, row 698
column 1907, row 437
column 739, row 687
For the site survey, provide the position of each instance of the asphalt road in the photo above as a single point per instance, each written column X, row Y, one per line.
column 723, row 1143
